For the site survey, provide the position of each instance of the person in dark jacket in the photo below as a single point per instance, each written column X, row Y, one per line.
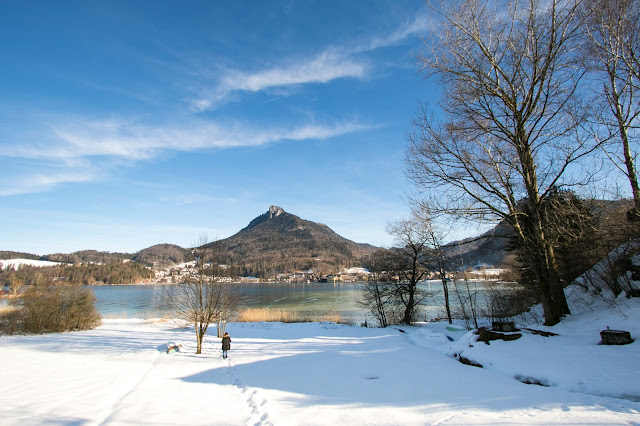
column 226, row 344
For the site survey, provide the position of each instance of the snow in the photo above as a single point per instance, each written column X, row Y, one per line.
column 355, row 271
column 17, row 263
column 323, row 373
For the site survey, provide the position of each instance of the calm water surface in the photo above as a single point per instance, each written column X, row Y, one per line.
column 129, row 301
column 312, row 300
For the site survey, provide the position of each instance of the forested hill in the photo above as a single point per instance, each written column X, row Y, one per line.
column 83, row 256
column 163, row 255
column 88, row 256
column 4, row 254
column 277, row 241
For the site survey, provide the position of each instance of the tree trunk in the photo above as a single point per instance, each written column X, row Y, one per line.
column 445, row 290
column 628, row 156
column 554, row 302
column 408, row 311
column 557, row 291
column 198, row 342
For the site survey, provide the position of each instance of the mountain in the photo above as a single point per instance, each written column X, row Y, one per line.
column 490, row 248
column 163, row 255
column 487, row 249
column 277, row 241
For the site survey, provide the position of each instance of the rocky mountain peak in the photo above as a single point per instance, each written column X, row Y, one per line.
column 275, row 211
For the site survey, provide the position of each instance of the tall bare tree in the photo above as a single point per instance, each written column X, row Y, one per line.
column 409, row 258
column 613, row 51
column 378, row 292
column 204, row 297
column 438, row 258
column 508, row 127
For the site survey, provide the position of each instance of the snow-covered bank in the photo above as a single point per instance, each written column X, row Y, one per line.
column 572, row 361
column 315, row 373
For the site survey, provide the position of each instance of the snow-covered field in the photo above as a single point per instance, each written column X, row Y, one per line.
column 17, row 263
column 323, row 373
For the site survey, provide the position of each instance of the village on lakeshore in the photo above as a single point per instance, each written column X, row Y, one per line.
column 178, row 273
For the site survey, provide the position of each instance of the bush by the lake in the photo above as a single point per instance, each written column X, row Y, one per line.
column 51, row 309
column 9, row 320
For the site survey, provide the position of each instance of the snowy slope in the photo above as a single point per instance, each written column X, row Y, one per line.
column 312, row 373
column 573, row 360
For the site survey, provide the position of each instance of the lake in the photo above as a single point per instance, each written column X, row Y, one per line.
column 311, row 300
column 129, row 301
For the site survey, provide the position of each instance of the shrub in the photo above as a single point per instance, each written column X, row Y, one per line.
column 9, row 320
column 57, row 308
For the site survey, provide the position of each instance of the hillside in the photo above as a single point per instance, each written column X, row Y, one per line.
column 278, row 241
column 489, row 248
column 162, row 255
column 88, row 256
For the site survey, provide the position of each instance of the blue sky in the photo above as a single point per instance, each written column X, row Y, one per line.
column 125, row 124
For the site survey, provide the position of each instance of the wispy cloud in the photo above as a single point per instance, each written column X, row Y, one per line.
column 418, row 24
column 42, row 182
column 133, row 141
column 85, row 149
column 326, row 66
column 335, row 62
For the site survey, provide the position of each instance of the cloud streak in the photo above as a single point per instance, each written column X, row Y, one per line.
column 42, row 182
column 323, row 68
column 83, row 149
column 333, row 63
column 132, row 141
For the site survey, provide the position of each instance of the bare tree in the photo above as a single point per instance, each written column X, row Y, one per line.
column 411, row 236
column 378, row 292
column 204, row 297
column 15, row 284
column 613, row 52
column 508, row 127
column 438, row 257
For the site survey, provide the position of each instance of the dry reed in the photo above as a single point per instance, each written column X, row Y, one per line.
column 279, row 315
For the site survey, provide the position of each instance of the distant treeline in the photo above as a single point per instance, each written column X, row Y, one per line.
column 87, row 274
column 84, row 256
column 88, row 256
column 18, row 255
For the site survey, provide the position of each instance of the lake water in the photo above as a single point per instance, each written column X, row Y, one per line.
column 311, row 300
column 130, row 301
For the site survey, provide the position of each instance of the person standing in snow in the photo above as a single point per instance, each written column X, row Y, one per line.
column 226, row 344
